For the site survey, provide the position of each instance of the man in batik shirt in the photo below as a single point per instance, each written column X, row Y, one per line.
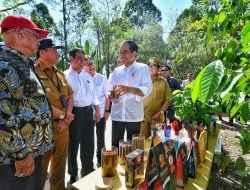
column 25, row 115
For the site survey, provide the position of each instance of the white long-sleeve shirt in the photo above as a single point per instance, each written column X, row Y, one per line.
column 129, row 107
column 101, row 86
column 84, row 93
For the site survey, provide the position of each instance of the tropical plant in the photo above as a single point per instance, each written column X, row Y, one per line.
column 241, row 167
column 222, row 161
column 244, row 137
column 197, row 103
column 227, row 80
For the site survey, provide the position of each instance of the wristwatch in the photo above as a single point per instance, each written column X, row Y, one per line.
column 161, row 111
column 62, row 115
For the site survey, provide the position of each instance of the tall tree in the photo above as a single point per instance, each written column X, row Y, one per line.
column 14, row 5
column 186, row 42
column 106, row 25
column 41, row 16
column 75, row 14
column 150, row 41
column 136, row 10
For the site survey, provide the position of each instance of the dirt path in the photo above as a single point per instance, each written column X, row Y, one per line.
column 230, row 146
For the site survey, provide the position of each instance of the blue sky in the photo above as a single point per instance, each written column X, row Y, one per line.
column 166, row 5
column 170, row 6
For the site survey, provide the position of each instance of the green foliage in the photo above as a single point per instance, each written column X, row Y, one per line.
column 240, row 167
column 41, row 16
column 109, row 28
column 186, row 44
column 14, row 6
column 78, row 12
column 208, row 81
column 222, row 161
column 226, row 22
column 147, row 38
column 137, row 10
column 230, row 21
column 198, row 100
column 86, row 47
column 244, row 137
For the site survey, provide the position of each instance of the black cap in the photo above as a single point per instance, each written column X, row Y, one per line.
column 47, row 43
column 166, row 67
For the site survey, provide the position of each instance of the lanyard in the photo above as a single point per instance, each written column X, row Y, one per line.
column 51, row 79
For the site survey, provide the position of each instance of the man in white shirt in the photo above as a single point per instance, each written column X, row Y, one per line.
column 187, row 81
column 130, row 82
column 101, row 86
column 81, row 130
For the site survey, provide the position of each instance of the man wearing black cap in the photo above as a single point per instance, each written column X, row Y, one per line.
column 25, row 114
column 61, row 98
column 174, row 85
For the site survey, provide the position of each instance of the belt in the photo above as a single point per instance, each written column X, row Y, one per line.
column 85, row 107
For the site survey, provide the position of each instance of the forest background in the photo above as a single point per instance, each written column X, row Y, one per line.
column 99, row 27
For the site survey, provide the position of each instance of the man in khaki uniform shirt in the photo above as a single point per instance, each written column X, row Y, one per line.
column 60, row 96
column 158, row 101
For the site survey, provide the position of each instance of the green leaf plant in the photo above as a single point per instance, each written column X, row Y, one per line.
column 240, row 167
column 198, row 101
column 222, row 161
column 226, row 81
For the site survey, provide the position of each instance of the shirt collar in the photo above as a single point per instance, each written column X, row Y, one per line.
column 130, row 67
column 12, row 50
column 73, row 71
column 43, row 66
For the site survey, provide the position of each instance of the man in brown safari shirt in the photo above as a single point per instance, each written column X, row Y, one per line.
column 60, row 96
column 158, row 101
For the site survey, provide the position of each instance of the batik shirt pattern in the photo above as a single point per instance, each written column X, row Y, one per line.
column 25, row 114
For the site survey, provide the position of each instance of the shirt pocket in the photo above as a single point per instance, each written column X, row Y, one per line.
column 64, row 88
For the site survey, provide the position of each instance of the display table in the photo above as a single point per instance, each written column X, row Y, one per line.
column 201, row 180
column 199, row 183
column 89, row 181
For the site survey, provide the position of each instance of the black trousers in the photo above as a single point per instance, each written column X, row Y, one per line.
column 170, row 113
column 81, row 131
column 118, row 130
column 100, row 138
column 8, row 180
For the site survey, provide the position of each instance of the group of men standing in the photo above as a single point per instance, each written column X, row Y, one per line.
column 45, row 114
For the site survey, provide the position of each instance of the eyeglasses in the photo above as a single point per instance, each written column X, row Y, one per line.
column 89, row 64
column 34, row 33
column 165, row 70
column 153, row 66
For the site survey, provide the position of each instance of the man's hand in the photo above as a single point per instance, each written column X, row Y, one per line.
column 69, row 117
column 157, row 116
column 106, row 115
column 97, row 116
column 61, row 126
column 24, row 167
column 121, row 90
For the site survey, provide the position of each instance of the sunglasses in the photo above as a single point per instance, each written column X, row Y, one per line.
column 165, row 70
column 153, row 66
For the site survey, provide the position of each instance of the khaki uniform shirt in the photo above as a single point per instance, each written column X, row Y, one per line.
column 55, row 84
column 160, row 93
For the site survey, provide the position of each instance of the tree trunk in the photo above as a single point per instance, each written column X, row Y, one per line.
column 65, row 34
